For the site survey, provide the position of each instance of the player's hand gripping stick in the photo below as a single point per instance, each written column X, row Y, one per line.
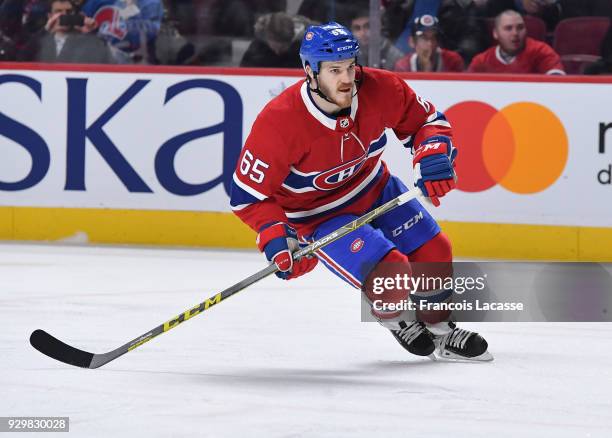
column 279, row 241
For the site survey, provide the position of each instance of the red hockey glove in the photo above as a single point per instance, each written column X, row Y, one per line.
column 279, row 241
column 434, row 171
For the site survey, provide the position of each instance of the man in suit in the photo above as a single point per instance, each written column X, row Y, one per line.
column 61, row 42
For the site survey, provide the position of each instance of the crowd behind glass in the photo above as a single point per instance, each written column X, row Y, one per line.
column 566, row 36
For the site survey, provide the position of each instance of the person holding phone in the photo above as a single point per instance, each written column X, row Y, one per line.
column 67, row 37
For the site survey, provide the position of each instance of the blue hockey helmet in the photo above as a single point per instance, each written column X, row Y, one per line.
column 327, row 42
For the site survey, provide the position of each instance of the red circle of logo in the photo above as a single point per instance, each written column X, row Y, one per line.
column 522, row 147
column 357, row 244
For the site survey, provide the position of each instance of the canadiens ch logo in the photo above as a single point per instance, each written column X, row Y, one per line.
column 428, row 20
column 357, row 245
column 338, row 176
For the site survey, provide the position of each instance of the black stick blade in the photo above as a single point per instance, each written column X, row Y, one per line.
column 56, row 349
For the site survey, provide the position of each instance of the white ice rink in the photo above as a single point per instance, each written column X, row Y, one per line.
column 280, row 359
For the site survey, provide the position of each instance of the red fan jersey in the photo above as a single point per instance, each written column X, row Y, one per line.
column 302, row 166
column 445, row 60
column 537, row 57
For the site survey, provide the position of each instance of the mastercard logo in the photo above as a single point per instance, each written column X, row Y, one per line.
column 523, row 147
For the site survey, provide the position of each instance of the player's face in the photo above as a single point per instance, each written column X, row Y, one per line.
column 337, row 79
column 511, row 33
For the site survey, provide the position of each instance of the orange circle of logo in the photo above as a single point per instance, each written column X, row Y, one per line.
column 523, row 147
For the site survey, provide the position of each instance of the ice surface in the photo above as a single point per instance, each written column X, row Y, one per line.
column 280, row 359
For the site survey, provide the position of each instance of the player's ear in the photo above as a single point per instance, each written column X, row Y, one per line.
column 309, row 72
column 411, row 41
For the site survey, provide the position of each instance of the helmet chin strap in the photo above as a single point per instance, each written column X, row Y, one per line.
column 323, row 96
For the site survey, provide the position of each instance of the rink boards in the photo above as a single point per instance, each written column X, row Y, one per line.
column 124, row 155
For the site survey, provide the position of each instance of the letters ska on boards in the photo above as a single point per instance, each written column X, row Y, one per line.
column 78, row 132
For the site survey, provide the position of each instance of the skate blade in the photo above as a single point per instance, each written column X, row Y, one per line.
column 451, row 357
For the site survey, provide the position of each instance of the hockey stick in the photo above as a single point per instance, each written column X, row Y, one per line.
column 58, row 350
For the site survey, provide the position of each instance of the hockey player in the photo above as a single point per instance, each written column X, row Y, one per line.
column 312, row 163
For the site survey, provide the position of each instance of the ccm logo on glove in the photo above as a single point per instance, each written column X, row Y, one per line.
column 434, row 170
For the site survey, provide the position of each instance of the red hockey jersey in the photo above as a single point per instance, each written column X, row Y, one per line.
column 446, row 60
column 302, row 166
column 537, row 57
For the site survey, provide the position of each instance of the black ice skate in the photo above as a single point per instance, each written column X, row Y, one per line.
column 414, row 337
column 458, row 344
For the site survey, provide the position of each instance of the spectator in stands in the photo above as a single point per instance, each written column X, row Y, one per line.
column 515, row 52
column 129, row 26
column 171, row 46
column 63, row 42
column 461, row 27
column 428, row 56
column 21, row 19
column 547, row 10
column 360, row 26
column 274, row 44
